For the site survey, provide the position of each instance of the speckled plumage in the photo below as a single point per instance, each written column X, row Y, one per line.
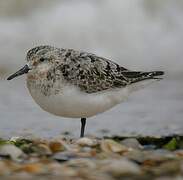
column 78, row 84
column 90, row 73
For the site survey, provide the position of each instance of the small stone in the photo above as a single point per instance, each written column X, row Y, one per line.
column 132, row 143
column 64, row 156
column 64, row 171
column 56, row 146
column 82, row 163
column 167, row 168
column 135, row 155
column 121, row 167
column 34, row 168
column 42, row 149
column 86, row 142
column 159, row 155
column 109, row 146
column 12, row 151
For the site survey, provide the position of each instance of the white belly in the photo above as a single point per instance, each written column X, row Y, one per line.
column 76, row 104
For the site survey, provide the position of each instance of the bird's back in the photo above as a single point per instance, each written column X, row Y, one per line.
column 92, row 73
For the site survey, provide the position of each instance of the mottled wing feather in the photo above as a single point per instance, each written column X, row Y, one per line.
column 92, row 73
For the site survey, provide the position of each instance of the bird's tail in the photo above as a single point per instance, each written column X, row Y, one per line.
column 140, row 76
column 140, row 80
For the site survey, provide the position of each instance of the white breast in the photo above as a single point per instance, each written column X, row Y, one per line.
column 76, row 104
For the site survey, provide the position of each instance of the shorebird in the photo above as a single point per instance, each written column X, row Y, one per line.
column 76, row 84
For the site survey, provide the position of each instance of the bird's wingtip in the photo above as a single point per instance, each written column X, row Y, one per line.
column 158, row 73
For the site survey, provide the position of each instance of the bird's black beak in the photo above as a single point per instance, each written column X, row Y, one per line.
column 24, row 70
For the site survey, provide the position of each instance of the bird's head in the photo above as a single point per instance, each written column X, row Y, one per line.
column 39, row 61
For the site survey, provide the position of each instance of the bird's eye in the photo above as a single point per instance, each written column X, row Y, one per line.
column 42, row 59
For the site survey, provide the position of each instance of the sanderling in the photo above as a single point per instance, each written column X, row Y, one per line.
column 78, row 84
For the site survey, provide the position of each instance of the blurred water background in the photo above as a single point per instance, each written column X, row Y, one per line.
column 138, row 34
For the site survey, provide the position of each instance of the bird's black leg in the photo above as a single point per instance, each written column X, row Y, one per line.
column 83, row 123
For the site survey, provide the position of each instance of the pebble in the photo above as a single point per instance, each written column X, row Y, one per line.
column 109, row 146
column 56, row 146
column 86, row 142
column 159, row 155
column 34, row 168
column 42, row 149
column 167, row 168
column 64, row 156
column 132, row 143
column 81, row 163
column 136, row 155
column 88, row 158
column 121, row 167
column 11, row 151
